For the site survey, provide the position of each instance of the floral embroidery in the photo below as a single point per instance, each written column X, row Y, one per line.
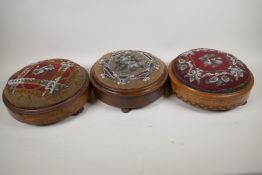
column 124, row 66
column 217, row 77
column 211, row 60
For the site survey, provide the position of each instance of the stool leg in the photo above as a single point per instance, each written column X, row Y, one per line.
column 125, row 110
column 244, row 103
column 78, row 112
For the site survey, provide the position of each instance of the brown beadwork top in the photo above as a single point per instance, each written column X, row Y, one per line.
column 45, row 83
column 128, row 69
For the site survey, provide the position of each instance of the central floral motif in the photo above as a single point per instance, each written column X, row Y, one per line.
column 211, row 60
column 211, row 70
column 219, row 78
column 124, row 66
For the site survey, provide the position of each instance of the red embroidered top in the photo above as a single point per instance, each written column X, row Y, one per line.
column 211, row 70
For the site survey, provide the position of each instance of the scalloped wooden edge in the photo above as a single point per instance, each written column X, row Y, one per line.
column 209, row 101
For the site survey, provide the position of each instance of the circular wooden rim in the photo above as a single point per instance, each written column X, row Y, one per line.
column 48, row 108
column 129, row 92
column 207, row 100
column 176, row 81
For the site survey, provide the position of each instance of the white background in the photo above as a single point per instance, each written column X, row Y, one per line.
column 165, row 138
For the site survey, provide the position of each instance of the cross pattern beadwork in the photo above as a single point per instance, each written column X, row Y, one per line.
column 124, row 66
column 46, row 76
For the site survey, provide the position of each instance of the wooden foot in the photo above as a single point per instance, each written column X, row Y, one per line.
column 167, row 92
column 125, row 110
column 244, row 103
column 78, row 112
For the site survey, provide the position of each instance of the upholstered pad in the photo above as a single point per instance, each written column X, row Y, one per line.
column 211, row 70
column 45, row 83
column 128, row 69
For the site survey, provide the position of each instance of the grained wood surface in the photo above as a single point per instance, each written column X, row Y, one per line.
column 132, row 98
column 52, row 114
column 209, row 101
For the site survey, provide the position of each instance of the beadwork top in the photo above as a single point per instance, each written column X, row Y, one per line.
column 128, row 69
column 211, row 70
column 45, row 83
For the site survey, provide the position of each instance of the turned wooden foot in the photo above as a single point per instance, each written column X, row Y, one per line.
column 125, row 110
column 78, row 112
column 244, row 103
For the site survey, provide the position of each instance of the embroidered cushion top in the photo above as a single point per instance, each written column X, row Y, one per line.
column 128, row 69
column 45, row 83
column 211, row 70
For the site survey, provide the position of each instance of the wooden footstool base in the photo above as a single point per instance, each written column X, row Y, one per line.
column 47, row 92
column 210, row 101
column 128, row 79
column 196, row 78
